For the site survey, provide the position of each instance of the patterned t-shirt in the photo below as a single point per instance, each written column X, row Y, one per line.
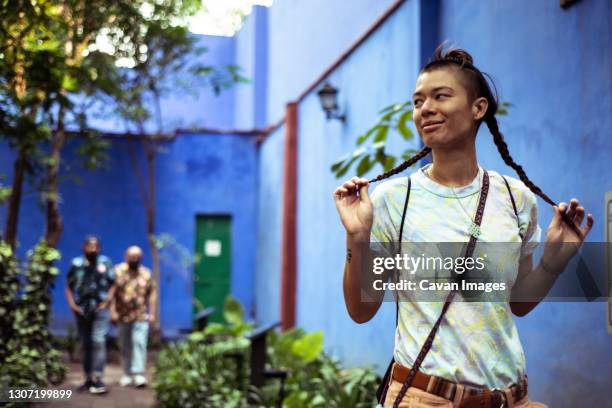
column 90, row 283
column 477, row 342
column 132, row 293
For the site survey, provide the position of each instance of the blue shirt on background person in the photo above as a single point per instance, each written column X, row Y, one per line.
column 90, row 282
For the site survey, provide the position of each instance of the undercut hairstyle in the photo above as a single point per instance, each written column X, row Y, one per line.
column 461, row 62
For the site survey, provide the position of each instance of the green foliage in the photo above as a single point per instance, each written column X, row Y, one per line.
column 315, row 379
column 5, row 191
column 204, row 370
column 27, row 350
column 394, row 119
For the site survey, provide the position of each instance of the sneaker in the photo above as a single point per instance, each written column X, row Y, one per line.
column 98, row 387
column 140, row 380
column 85, row 386
column 125, row 381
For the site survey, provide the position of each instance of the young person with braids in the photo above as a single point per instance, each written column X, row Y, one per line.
column 474, row 356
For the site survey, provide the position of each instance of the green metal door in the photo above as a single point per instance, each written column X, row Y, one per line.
column 213, row 263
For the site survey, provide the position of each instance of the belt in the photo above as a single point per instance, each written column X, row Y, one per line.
column 471, row 397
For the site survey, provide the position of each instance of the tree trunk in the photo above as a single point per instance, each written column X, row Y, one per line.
column 10, row 231
column 151, row 214
column 55, row 224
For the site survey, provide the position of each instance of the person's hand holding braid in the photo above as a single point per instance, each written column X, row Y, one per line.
column 565, row 235
column 355, row 208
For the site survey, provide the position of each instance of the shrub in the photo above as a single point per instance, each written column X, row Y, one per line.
column 29, row 357
column 210, row 369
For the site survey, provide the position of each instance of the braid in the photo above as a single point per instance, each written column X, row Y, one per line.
column 502, row 147
column 403, row 166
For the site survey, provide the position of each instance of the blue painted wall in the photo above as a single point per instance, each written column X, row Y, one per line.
column 269, row 221
column 191, row 104
column 208, row 174
column 252, row 57
column 308, row 36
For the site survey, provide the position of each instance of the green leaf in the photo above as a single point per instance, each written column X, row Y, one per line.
column 408, row 154
column 402, row 125
column 338, row 164
column 309, row 347
column 364, row 166
column 365, row 136
column 347, row 165
column 381, row 157
column 389, row 162
column 381, row 134
column 70, row 83
column 232, row 311
column 396, row 107
column 196, row 337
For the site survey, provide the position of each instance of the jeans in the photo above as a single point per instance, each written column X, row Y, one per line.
column 93, row 329
column 133, row 344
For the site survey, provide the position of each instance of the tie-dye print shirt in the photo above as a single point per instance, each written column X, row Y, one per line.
column 477, row 342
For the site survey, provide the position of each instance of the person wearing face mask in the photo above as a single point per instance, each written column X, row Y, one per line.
column 87, row 287
column 133, row 299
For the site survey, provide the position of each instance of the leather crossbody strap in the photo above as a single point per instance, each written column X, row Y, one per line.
column 381, row 392
column 432, row 334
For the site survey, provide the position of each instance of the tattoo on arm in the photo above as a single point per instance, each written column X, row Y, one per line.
column 349, row 255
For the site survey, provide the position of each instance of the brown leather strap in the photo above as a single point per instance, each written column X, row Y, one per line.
column 462, row 395
column 484, row 191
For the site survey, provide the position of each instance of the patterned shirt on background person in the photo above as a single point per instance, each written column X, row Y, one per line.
column 132, row 293
column 90, row 284
column 478, row 342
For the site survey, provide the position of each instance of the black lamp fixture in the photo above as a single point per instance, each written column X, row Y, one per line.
column 328, row 95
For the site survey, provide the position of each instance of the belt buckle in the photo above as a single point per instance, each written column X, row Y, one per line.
column 502, row 396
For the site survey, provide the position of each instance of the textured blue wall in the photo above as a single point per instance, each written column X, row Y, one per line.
column 206, row 174
column 252, row 57
column 308, row 36
column 557, row 71
column 269, row 221
column 196, row 174
column 202, row 107
column 190, row 104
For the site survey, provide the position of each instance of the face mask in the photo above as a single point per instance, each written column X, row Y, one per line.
column 91, row 257
column 134, row 265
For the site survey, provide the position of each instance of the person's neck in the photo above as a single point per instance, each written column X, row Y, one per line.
column 454, row 168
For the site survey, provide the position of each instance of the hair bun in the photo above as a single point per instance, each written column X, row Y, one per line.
column 458, row 55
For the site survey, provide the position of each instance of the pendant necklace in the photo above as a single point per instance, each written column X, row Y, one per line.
column 474, row 229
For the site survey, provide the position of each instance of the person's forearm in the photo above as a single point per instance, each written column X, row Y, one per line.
column 354, row 286
column 152, row 304
column 70, row 298
column 529, row 291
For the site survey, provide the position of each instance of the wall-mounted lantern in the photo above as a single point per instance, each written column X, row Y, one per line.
column 328, row 96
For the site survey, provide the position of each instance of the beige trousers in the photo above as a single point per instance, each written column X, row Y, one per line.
column 416, row 398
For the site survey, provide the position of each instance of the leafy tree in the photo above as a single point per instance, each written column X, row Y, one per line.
column 168, row 63
column 54, row 57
